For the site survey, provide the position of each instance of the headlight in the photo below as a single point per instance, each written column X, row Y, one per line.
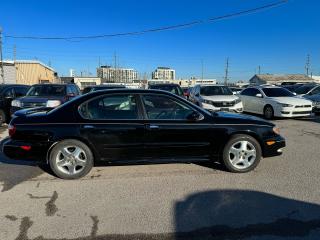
column 16, row 103
column 207, row 102
column 276, row 130
column 53, row 103
column 285, row 105
column 238, row 100
column 315, row 103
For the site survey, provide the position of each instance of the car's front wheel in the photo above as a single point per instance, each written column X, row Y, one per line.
column 268, row 112
column 241, row 154
column 71, row 159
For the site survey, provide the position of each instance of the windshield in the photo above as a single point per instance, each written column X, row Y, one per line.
column 215, row 90
column 47, row 90
column 277, row 92
column 169, row 88
column 304, row 89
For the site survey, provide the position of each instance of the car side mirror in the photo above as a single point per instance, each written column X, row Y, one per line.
column 259, row 95
column 195, row 117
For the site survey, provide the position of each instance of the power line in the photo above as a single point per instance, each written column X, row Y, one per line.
column 165, row 28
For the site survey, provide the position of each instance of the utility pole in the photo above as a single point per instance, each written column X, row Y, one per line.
column 14, row 53
column 226, row 73
column 202, row 70
column 259, row 69
column 308, row 64
column 99, row 62
column 1, row 58
column 115, row 75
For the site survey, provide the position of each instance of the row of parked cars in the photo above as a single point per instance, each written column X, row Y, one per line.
column 271, row 101
column 296, row 100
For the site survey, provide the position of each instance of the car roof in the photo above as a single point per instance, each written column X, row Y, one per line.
column 106, row 85
column 53, row 84
column 209, row 85
column 13, row 85
column 265, row 86
column 130, row 90
column 164, row 84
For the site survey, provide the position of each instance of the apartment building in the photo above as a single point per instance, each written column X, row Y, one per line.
column 164, row 73
column 117, row 75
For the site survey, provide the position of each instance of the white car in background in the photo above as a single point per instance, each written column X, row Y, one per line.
column 215, row 98
column 272, row 101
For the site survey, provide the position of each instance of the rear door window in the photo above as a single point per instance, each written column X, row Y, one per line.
column 110, row 107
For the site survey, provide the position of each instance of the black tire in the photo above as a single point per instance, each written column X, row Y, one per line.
column 226, row 154
column 3, row 117
column 268, row 112
column 69, row 143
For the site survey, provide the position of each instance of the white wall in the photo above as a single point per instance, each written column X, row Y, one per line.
column 9, row 74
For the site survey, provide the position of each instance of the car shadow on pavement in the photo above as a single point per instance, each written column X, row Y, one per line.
column 315, row 119
column 14, row 172
column 242, row 214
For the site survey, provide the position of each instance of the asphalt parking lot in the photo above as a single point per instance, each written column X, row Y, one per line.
column 279, row 200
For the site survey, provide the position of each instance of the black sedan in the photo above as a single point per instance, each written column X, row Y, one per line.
column 126, row 125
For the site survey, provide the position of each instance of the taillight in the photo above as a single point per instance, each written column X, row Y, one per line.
column 12, row 129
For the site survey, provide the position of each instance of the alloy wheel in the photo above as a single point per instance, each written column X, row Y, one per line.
column 242, row 154
column 71, row 160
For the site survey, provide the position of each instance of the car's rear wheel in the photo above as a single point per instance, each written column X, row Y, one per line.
column 268, row 112
column 241, row 154
column 71, row 159
column 3, row 117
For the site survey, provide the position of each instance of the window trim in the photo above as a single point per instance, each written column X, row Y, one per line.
column 167, row 96
column 140, row 116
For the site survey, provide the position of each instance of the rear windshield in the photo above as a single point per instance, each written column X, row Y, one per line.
column 215, row 90
column 47, row 90
column 277, row 92
column 169, row 88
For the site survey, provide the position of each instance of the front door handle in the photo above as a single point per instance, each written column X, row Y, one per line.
column 88, row 127
column 153, row 127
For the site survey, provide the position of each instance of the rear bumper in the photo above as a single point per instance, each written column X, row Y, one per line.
column 20, row 150
column 274, row 149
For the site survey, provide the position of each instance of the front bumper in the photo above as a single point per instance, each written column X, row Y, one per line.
column 293, row 112
column 275, row 149
column 237, row 108
column 15, row 149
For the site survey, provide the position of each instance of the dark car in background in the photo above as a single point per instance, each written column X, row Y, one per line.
column 101, row 87
column 308, row 89
column 292, row 87
column 170, row 87
column 45, row 95
column 311, row 92
column 9, row 92
column 134, row 125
